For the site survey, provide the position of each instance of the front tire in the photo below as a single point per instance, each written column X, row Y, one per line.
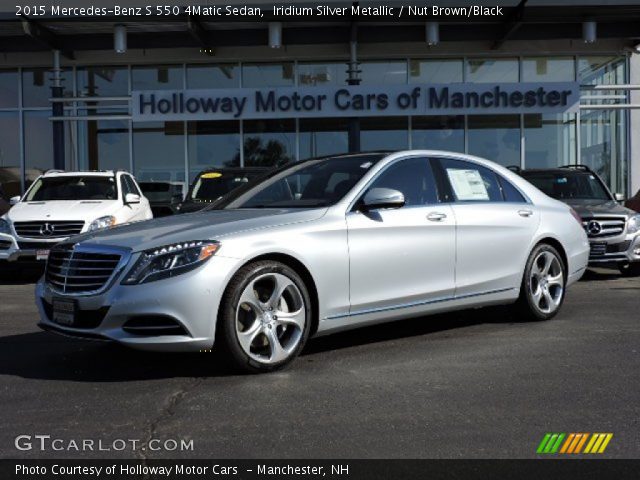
column 543, row 284
column 630, row 269
column 265, row 317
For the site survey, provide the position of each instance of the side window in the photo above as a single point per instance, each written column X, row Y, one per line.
column 470, row 182
column 124, row 186
column 412, row 177
column 510, row 193
column 133, row 188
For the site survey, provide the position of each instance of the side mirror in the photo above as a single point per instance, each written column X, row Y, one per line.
column 382, row 198
column 131, row 199
column 619, row 197
column 14, row 200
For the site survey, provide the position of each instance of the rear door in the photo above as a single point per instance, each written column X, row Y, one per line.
column 495, row 225
column 405, row 255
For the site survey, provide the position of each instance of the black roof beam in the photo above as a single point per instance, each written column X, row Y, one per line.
column 44, row 37
column 199, row 33
column 511, row 25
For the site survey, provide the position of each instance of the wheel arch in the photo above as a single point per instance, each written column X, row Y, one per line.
column 555, row 243
column 301, row 269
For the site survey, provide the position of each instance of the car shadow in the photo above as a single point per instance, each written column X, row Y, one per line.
column 47, row 356
column 600, row 275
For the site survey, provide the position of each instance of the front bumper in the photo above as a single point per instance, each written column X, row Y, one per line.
column 621, row 249
column 27, row 249
column 190, row 300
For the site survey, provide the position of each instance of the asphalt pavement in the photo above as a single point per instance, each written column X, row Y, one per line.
column 474, row 384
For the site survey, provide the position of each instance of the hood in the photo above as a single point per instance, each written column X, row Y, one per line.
column 591, row 208
column 208, row 225
column 82, row 210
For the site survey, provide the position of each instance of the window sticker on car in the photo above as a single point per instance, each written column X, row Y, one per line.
column 211, row 175
column 467, row 184
column 366, row 165
column 562, row 180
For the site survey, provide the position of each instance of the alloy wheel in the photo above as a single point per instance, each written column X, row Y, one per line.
column 270, row 318
column 546, row 282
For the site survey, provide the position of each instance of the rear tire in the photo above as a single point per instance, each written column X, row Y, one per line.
column 265, row 317
column 630, row 269
column 543, row 285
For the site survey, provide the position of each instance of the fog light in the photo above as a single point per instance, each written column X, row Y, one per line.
column 636, row 251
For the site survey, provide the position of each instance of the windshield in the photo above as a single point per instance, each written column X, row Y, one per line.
column 308, row 184
column 73, row 188
column 569, row 185
column 211, row 186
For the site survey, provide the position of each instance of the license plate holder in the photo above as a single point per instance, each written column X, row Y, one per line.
column 42, row 254
column 64, row 311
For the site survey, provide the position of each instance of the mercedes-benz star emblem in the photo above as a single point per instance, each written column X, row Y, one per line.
column 594, row 227
column 47, row 230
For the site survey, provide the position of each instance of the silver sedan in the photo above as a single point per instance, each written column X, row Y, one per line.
column 316, row 247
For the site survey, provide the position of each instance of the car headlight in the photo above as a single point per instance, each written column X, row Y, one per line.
column 102, row 222
column 170, row 260
column 633, row 224
column 5, row 227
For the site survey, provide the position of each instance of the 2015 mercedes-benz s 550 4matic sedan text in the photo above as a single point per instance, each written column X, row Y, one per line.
column 315, row 247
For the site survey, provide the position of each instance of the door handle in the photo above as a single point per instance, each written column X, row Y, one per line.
column 525, row 213
column 436, row 216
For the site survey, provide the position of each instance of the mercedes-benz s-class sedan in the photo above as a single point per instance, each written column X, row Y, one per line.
column 315, row 247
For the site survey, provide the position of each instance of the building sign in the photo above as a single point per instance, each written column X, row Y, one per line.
column 355, row 101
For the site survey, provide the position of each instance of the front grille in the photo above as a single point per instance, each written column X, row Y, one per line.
column 54, row 229
column 5, row 244
column 603, row 226
column 598, row 250
column 74, row 270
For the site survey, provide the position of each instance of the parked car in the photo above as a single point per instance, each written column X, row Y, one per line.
column 316, row 247
column 613, row 230
column 61, row 204
column 211, row 184
column 164, row 197
column 634, row 202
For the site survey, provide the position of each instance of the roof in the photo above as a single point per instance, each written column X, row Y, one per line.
column 93, row 173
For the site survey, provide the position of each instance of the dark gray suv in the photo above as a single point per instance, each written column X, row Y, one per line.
column 613, row 230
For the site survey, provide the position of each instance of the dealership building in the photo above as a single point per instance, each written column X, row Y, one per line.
column 543, row 84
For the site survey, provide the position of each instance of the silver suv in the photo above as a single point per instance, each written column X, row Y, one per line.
column 613, row 230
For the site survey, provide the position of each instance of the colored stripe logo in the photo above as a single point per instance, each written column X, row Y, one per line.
column 574, row 443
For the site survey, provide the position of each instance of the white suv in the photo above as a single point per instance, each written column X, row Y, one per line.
column 61, row 204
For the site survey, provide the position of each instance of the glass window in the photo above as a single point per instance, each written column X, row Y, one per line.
column 435, row 71
column 213, row 144
column 384, row 133
column 509, row 192
column 267, row 75
column 601, row 70
column 550, row 140
column 493, row 70
column 163, row 77
column 320, row 74
column 36, row 86
column 495, row 137
column 158, row 151
column 307, row 184
column 548, row 69
column 412, row 177
column 323, row 136
column 103, row 145
column 38, row 154
column 9, row 140
column 603, row 146
column 88, row 187
column 470, row 182
column 438, row 133
column 103, row 82
column 8, row 89
column 269, row 143
column 384, row 72
column 226, row 75
column 568, row 185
